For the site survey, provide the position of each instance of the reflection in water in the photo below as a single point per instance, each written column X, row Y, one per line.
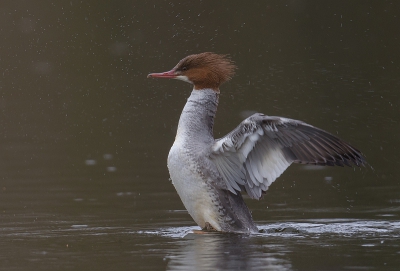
column 281, row 246
column 272, row 248
column 214, row 251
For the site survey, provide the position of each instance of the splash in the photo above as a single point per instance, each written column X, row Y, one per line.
column 345, row 228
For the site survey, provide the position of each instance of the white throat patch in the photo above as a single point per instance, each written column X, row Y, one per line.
column 183, row 78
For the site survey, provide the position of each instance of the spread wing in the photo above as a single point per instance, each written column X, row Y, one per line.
column 260, row 149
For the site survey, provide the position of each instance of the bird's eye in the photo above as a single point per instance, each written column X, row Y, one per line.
column 184, row 68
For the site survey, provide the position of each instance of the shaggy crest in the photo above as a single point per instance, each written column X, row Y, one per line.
column 206, row 70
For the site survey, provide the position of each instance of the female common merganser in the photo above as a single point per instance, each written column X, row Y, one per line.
column 209, row 174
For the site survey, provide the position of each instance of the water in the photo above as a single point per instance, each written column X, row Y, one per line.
column 310, row 244
column 84, row 135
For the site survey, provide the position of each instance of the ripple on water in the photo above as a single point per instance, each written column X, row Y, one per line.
column 302, row 229
column 174, row 232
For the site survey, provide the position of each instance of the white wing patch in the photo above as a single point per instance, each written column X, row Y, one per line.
column 261, row 148
column 249, row 160
column 264, row 166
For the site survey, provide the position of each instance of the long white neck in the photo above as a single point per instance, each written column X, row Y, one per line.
column 197, row 118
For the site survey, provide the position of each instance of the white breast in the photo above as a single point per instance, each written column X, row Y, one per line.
column 191, row 187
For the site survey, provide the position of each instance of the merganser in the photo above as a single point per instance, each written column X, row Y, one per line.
column 210, row 174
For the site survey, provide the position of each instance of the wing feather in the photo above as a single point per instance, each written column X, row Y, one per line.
column 260, row 149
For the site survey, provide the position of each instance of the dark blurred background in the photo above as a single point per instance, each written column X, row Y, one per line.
column 74, row 85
